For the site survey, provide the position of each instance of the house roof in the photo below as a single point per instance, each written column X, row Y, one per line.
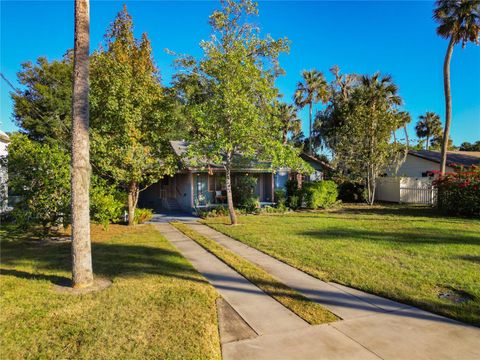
column 316, row 160
column 180, row 148
column 465, row 158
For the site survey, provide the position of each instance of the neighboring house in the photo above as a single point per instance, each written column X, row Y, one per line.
column 4, row 140
column 412, row 182
column 202, row 186
column 421, row 163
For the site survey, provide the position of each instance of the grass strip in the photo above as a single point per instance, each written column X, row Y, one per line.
column 308, row 310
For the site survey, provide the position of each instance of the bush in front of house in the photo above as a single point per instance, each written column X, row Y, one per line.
column 351, row 192
column 143, row 215
column 293, row 194
column 319, row 194
column 243, row 193
column 107, row 203
column 459, row 192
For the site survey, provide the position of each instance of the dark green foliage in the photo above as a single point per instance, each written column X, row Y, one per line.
column 294, row 202
column 43, row 107
column 143, row 215
column 40, row 175
column 107, row 203
column 319, row 194
column 474, row 146
column 244, row 192
column 351, row 192
column 213, row 212
column 280, row 196
column 459, row 192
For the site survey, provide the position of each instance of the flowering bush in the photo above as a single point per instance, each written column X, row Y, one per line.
column 459, row 192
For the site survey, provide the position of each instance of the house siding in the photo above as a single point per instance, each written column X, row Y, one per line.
column 414, row 166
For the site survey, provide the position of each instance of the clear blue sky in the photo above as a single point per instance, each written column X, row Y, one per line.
column 362, row 37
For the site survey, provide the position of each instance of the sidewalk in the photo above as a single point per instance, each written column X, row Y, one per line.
column 372, row 327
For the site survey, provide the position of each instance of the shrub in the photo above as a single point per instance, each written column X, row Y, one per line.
column 251, row 205
column 319, row 194
column 294, row 202
column 106, row 202
column 293, row 194
column 280, row 198
column 142, row 215
column 40, row 175
column 351, row 192
column 459, row 192
column 213, row 212
column 244, row 192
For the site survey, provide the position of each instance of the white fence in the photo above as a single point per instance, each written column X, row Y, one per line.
column 406, row 190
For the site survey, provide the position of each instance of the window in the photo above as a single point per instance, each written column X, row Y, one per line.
column 216, row 182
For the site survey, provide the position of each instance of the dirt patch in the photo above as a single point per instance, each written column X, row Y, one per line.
column 231, row 325
column 454, row 295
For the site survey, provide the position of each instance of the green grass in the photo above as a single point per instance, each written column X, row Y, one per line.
column 409, row 254
column 158, row 306
column 308, row 310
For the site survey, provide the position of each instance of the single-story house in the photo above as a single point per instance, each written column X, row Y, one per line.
column 421, row 163
column 195, row 187
column 412, row 182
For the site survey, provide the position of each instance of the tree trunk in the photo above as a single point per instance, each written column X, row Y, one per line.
column 448, row 104
column 310, row 145
column 426, row 144
column 133, row 192
column 80, row 178
column 228, row 183
column 284, row 136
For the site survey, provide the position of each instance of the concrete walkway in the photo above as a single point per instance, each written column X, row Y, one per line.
column 372, row 327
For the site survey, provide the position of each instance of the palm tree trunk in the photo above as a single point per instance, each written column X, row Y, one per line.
column 426, row 144
column 80, row 179
column 448, row 104
column 228, row 183
column 310, row 147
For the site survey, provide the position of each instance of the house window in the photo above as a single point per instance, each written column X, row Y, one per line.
column 216, row 182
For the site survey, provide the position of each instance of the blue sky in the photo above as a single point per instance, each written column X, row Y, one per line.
column 397, row 38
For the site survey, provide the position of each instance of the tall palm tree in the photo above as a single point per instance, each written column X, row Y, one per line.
column 459, row 21
column 428, row 126
column 80, row 178
column 312, row 89
column 289, row 121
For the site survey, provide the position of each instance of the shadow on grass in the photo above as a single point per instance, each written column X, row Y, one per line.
column 425, row 236
column 109, row 260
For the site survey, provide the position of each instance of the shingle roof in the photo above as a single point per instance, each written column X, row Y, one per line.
column 465, row 158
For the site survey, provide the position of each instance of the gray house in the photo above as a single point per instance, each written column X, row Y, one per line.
column 195, row 187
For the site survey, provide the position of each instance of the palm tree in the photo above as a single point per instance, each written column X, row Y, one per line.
column 80, row 178
column 312, row 89
column 459, row 21
column 289, row 121
column 429, row 127
column 379, row 87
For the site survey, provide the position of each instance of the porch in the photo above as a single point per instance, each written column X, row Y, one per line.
column 190, row 190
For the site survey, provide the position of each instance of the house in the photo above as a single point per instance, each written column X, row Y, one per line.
column 195, row 187
column 4, row 140
column 412, row 182
column 421, row 163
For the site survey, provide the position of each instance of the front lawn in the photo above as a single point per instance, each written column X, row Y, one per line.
column 409, row 254
column 157, row 307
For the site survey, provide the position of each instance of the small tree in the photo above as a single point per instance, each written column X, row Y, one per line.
column 130, row 113
column 233, row 105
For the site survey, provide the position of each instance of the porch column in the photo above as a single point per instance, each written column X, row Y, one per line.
column 273, row 187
